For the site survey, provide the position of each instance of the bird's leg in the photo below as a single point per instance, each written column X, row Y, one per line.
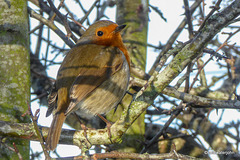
column 108, row 125
column 133, row 96
column 82, row 126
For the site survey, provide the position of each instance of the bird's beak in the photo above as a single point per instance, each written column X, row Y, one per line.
column 119, row 28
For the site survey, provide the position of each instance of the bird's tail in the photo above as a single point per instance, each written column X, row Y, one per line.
column 55, row 130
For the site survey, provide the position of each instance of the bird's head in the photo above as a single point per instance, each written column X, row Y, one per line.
column 105, row 33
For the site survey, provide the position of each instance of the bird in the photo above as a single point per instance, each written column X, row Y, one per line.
column 92, row 79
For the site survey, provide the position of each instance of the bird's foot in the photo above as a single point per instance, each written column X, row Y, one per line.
column 83, row 126
column 109, row 124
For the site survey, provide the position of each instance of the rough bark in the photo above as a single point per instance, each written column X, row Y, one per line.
column 14, row 71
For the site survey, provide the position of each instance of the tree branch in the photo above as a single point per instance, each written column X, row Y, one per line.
column 50, row 25
column 202, row 102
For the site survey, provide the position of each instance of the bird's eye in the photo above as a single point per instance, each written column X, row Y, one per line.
column 99, row 33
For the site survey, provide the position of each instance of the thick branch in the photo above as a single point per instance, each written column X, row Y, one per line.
column 202, row 102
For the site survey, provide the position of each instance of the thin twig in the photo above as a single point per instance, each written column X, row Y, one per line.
column 189, row 18
column 173, row 38
column 215, row 8
column 38, row 132
column 163, row 129
column 89, row 11
column 63, row 18
column 52, row 26
column 158, row 12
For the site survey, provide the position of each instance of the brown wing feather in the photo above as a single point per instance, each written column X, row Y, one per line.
column 52, row 100
column 106, row 62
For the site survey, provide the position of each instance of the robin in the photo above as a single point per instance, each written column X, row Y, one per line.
column 92, row 79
